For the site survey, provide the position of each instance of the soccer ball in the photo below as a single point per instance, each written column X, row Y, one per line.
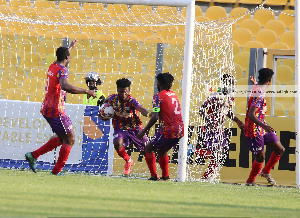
column 106, row 111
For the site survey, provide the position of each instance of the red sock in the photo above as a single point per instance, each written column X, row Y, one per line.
column 164, row 165
column 123, row 154
column 150, row 159
column 256, row 167
column 271, row 163
column 62, row 158
column 210, row 169
column 49, row 146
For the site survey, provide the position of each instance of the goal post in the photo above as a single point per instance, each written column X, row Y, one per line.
column 187, row 66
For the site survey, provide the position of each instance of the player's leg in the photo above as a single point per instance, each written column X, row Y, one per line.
column 151, row 160
column 272, row 140
column 164, row 161
column 256, row 145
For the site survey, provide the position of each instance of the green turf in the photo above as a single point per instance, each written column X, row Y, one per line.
column 25, row 194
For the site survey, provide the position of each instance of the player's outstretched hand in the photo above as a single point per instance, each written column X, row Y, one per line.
column 141, row 134
column 92, row 93
column 72, row 44
column 253, row 80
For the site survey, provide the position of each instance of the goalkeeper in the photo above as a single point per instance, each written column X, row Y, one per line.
column 212, row 138
column 92, row 79
column 126, row 121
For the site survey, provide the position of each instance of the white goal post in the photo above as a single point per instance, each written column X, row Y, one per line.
column 187, row 65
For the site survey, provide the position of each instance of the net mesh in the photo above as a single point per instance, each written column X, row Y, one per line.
column 116, row 41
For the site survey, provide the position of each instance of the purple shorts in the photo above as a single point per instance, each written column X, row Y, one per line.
column 212, row 141
column 130, row 135
column 158, row 141
column 257, row 144
column 61, row 125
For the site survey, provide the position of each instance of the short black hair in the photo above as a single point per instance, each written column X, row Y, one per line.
column 62, row 53
column 265, row 74
column 165, row 80
column 123, row 83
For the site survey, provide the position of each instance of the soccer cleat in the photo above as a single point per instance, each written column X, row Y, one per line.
column 128, row 166
column 32, row 161
column 269, row 178
column 154, row 178
column 165, row 178
column 59, row 174
column 250, row 184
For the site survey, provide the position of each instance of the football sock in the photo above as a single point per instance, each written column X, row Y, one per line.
column 256, row 167
column 123, row 154
column 210, row 169
column 164, row 165
column 49, row 146
column 271, row 163
column 62, row 158
column 151, row 162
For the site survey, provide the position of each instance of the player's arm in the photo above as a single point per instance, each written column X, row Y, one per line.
column 73, row 43
column 235, row 119
column 255, row 120
column 143, row 111
column 101, row 100
column 152, row 121
column 75, row 90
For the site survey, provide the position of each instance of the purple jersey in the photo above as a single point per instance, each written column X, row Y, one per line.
column 128, row 108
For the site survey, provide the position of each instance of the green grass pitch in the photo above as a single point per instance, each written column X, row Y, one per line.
column 25, row 194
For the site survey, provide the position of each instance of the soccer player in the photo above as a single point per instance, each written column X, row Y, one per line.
column 126, row 121
column 166, row 108
column 53, row 110
column 259, row 133
column 212, row 137
column 92, row 79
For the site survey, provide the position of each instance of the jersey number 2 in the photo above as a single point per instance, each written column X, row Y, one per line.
column 174, row 101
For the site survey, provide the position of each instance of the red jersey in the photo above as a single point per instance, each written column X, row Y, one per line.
column 125, row 108
column 170, row 114
column 258, row 100
column 54, row 102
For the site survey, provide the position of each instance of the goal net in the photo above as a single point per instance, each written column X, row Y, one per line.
column 115, row 41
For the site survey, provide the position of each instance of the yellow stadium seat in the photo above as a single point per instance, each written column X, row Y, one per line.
column 153, row 40
column 3, row 2
column 291, row 27
column 68, row 30
column 255, row 2
column 117, row 31
column 52, row 14
column 21, row 46
column 7, row 33
column 236, row 47
column 16, row 94
column 291, row 110
column 65, row 6
column 8, row 58
column 49, row 59
column 96, row 51
column 291, row 3
column 30, row 85
column 4, row 45
column 6, row 10
column 277, row 26
column 115, row 9
column 18, row 27
column 93, row 31
column 201, row 19
column 15, row 4
column 215, row 13
column 93, row 6
column 279, row 109
column 173, row 55
column 16, row 71
column 165, row 11
column 31, row 60
column 37, row 96
column 55, row 36
column 267, row 37
column 107, row 65
column 120, row 52
column 286, row 19
column 130, row 40
column 26, row 12
column 138, row 10
column 151, row 67
column 131, row 65
column 46, row 47
column 276, row 2
column 242, row 59
column 146, row 54
column 75, row 98
column 252, row 25
column 279, row 45
column 264, row 15
column 167, row 33
column 288, row 38
column 284, row 74
column 240, row 12
column 82, row 38
column 198, row 11
column 38, row 72
column 252, row 44
column 288, row 62
column 41, row 4
column 30, row 34
column 241, row 108
column 42, row 29
column 242, row 36
column 81, row 63
column 177, row 41
column 225, row 1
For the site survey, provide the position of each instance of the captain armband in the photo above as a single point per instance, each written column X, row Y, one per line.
column 156, row 109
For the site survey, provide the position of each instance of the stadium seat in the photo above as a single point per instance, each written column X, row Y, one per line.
column 277, row 26
column 3, row 2
column 30, row 60
column 130, row 40
column 16, row 71
column 18, row 27
column 242, row 36
column 151, row 67
column 65, row 6
column 241, row 108
column 279, row 45
column 225, row 1
column 46, row 47
column 284, row 74
column 96, row 50
column 291, row 110
column 92, row 7
column 16, row 94
column 201, row 19
column 116, row 9
column 99, row 17
column 131, row 65
column 6, row 10
column 81, row 63
column 42, row 29
column 167, row 33
column 30, row 34
column 173, row 55
column 240, row 12
column 52, row 14
column 165, row 11
column 7, row 33
column 198, row 11
column 276, row 2
column 177, row 41
column 267, row 37
column 41, row 4
column 38, row 72
column 68, row 30
column 138, row 10
column 286, row 19
column 153, row 40
column 21, row 46
column 236, row 47
column 215, row 13
column 146, row 54
column 288, row 38
column 263, row 16
column 288, row 62
column 252, row 44
column 15, row 4
column 49, row 59
column 26, row 12
column 4, row 45
column 242, row 59
column 37, row 96
column 55, row 36
column 30, row 85
column 292, row 27
column 279, row 109
column 117, row 31
column 248, row 2
column 252, row 25
column 291, row 3
column 107, row 65
column 8, row 58
column 75, row 98
column 120, row 52
column 82, row 38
